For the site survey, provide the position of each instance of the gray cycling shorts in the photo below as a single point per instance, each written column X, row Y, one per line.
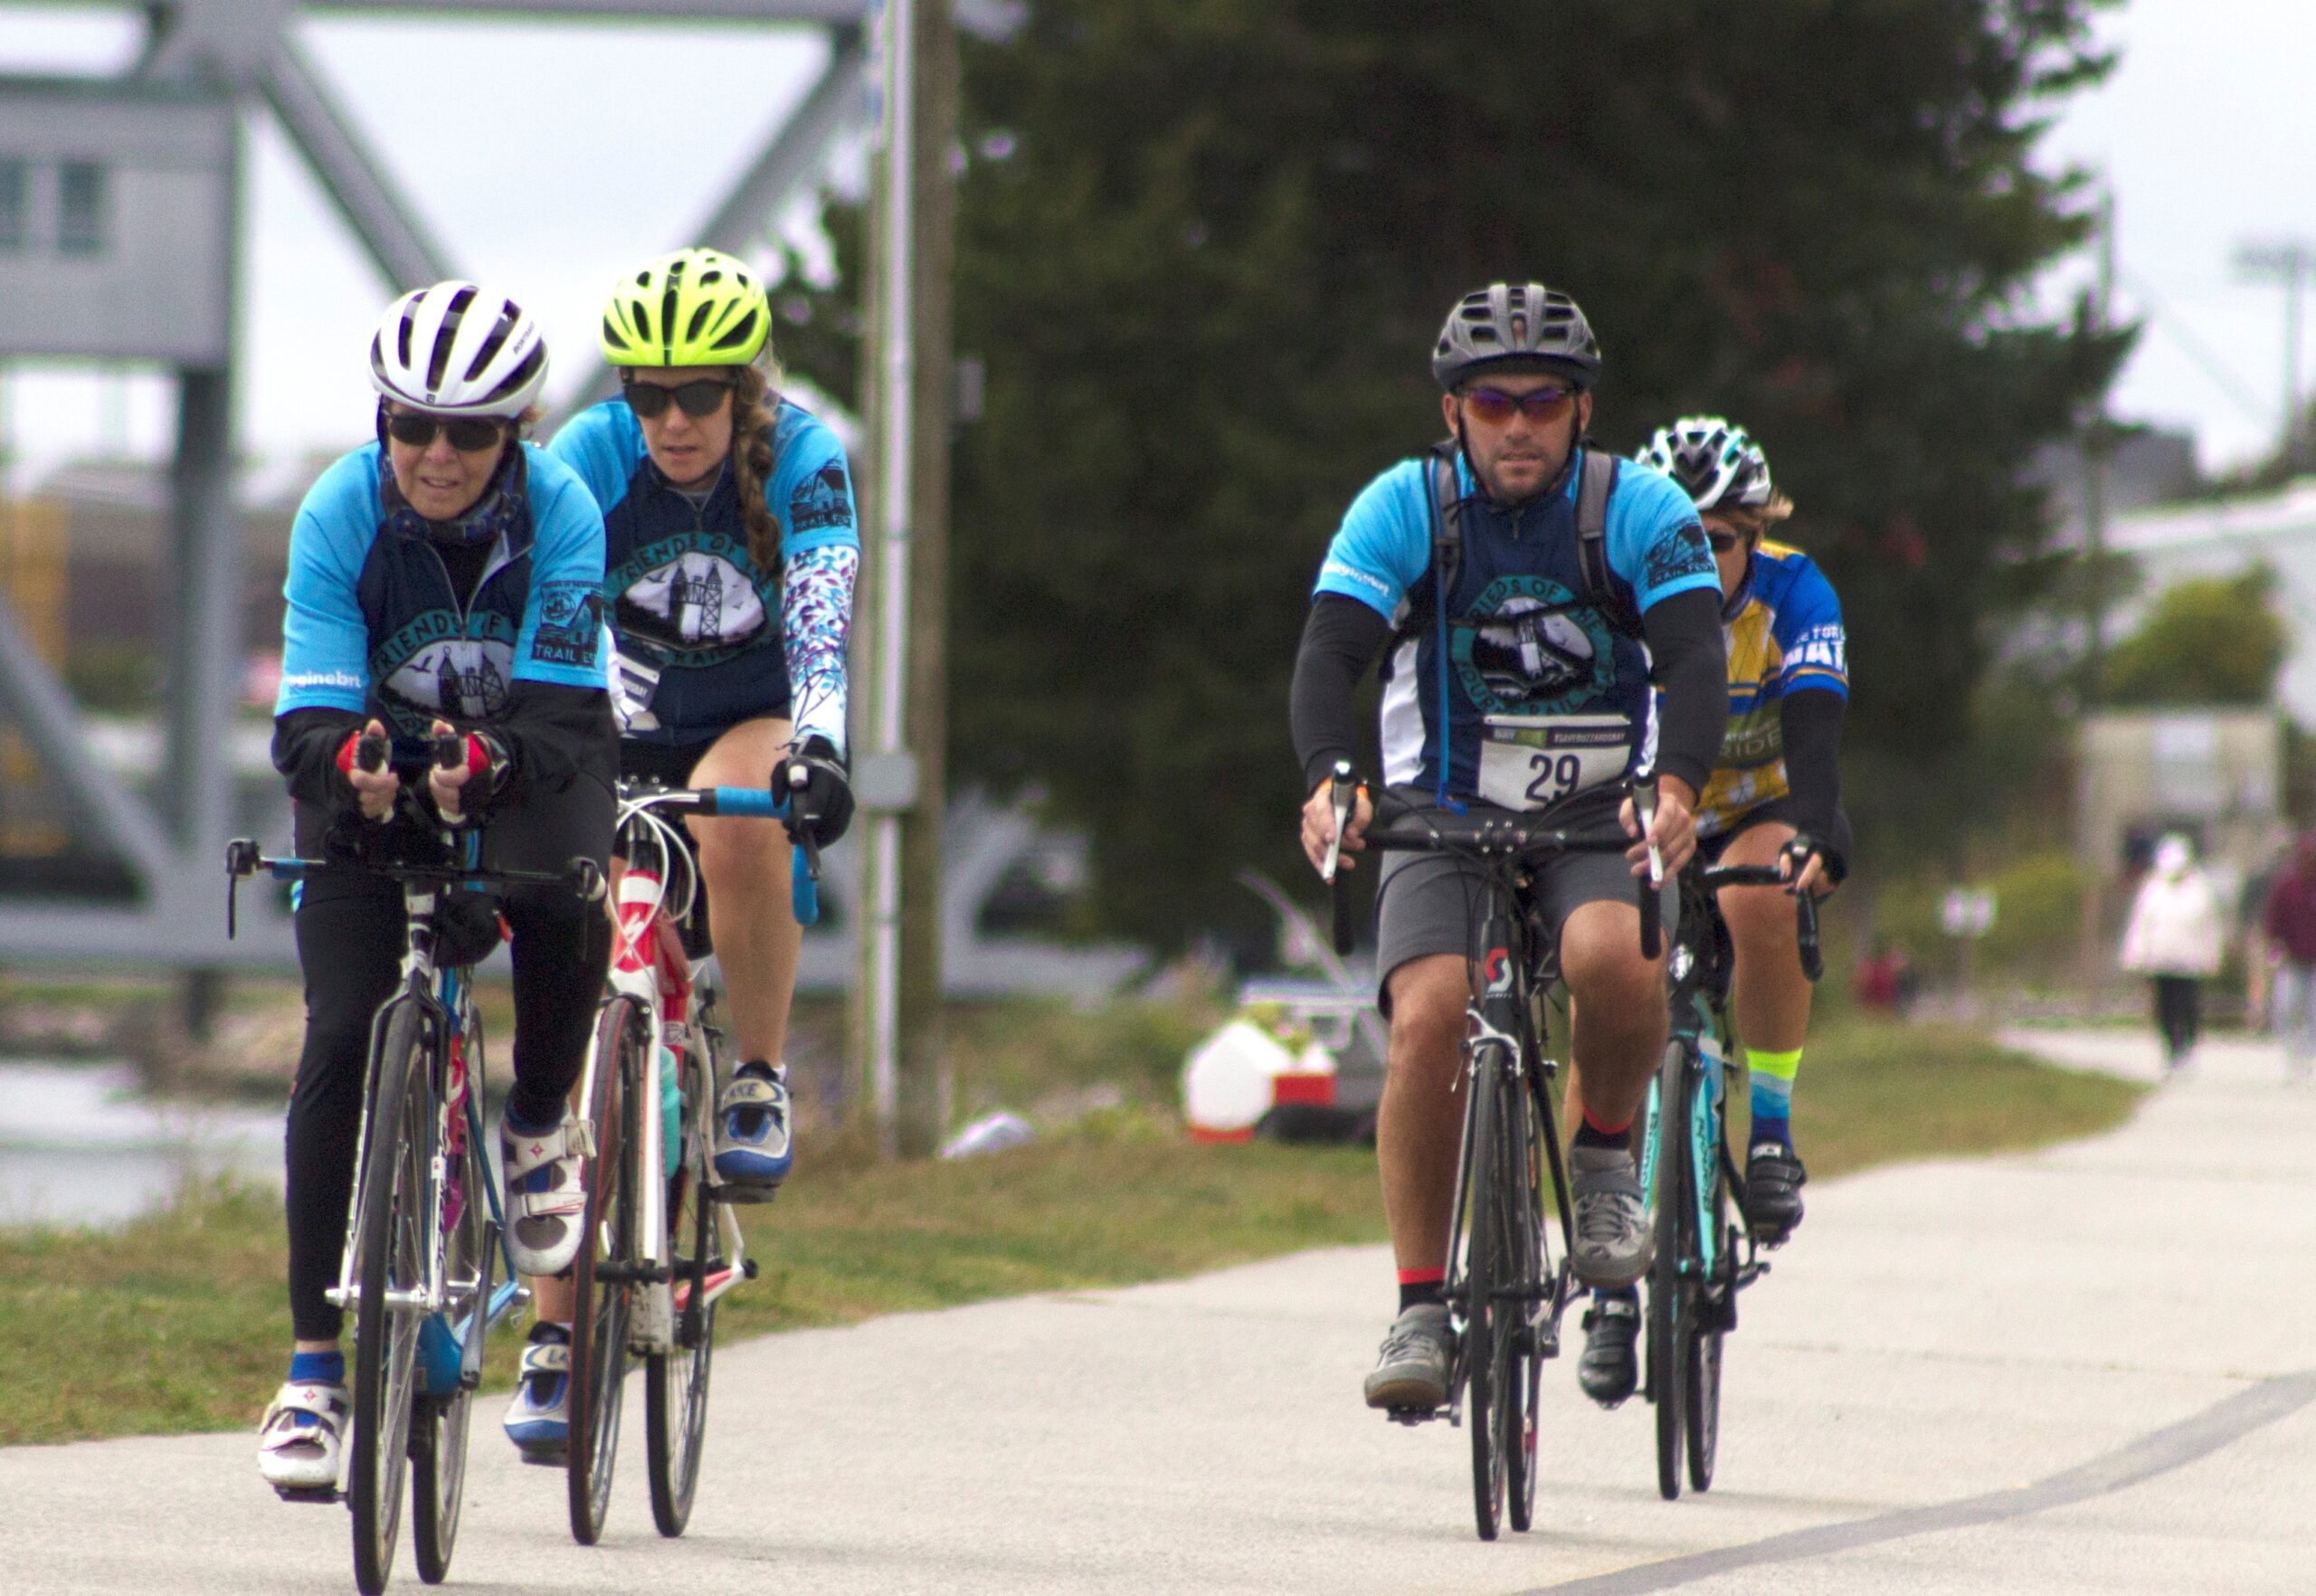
column 1432, row 903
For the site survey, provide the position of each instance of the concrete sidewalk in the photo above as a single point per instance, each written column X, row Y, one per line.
column 2070, row 1371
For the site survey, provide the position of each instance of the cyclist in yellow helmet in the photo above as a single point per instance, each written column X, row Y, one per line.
column 730, row 558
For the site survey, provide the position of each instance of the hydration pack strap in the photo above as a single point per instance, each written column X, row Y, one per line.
column 1596, row 480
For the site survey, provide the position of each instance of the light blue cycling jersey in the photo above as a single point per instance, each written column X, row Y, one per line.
column 1545, row 694
column 374, row 626
column 722, row 640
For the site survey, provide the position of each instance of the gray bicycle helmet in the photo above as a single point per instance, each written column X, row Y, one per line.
column 1712, row 457
column 1516, row 326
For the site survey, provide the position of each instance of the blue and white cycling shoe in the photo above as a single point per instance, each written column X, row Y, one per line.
column 538, row 1419
column 299, row 1438
column 546, row 1206
column 752, row 1147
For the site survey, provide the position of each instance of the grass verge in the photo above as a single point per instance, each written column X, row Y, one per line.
column 176, row 1323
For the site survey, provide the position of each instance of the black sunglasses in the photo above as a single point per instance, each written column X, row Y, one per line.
column 1722, row 542
column 469, row 435
column 700, row 398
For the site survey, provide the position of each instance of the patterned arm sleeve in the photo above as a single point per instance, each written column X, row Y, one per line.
column 815, row 613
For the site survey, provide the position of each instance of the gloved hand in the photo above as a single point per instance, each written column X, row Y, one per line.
column 463, row 790
column 374, row 790
column 1811, row 864
column 811, row 777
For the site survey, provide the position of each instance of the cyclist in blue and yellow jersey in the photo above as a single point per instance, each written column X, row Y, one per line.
column 445, row 579
column 1775, row 798
column 1514, row 622
column 732, row 553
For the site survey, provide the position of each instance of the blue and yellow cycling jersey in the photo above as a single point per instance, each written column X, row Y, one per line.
column 1543, row 694
column 375, row 625
column 1784, row 636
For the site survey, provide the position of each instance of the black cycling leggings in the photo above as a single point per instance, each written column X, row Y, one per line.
column 350, row 928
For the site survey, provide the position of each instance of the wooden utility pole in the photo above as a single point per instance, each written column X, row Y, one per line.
column 903, row 767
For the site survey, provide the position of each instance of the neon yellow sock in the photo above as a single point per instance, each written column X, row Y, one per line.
column 1772, row 1077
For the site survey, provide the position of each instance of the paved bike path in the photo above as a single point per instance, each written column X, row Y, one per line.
column 2068, row 1372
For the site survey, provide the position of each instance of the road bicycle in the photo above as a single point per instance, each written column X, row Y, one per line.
column 662, row 1245
column 425, row 1273
column 1704, row 1257
column 1505, row 1290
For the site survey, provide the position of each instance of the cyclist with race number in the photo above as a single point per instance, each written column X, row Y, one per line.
column 1775, row 798
column 732, row 553
column 444, row 582
column 1520, row 638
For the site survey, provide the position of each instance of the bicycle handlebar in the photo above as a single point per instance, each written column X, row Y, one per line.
column 755, row 803
column 1805, row 907
column 1492, row 833
column 243, row 859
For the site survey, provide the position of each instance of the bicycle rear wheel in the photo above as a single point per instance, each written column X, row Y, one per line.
column 1521, row 1203
column 1670, row 1311
column 1483, row 1318
column 391, row 1258
column 674, row 1382
column 438, row 1437
column 603, row 1277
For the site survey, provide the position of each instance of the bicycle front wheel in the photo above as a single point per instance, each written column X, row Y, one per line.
column 1712, row 1319
column 1486, row 1333
column 391, row 1260
column 603, row 1275
column 1670, row 1311
column 438, row 1440
column 1521, row 1202
column 674, row 1382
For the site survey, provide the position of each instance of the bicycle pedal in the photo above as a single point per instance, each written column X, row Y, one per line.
column 741, row 1194
column 319, row 1496
column 545, row 1457
column 1413, row 1416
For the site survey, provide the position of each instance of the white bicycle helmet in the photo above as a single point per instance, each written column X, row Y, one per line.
column 1714, row 458
column 456, row 349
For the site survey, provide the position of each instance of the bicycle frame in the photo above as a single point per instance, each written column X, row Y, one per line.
column 649, row 966
column 1501, row 1039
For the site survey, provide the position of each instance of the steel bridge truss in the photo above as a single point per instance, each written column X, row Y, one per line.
column 247, row 52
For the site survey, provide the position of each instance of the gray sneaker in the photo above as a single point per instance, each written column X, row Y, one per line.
column 1412, row 1371
column 1614, row 1241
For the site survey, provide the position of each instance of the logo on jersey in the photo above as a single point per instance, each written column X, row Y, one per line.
column 821, row 500
column 571, row 626
column 1526, row 648
column 698, row 602
column 459, row 679
column 1680, row 552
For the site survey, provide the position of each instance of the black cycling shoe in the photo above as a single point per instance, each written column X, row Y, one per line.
column 1609, row 1371
column 1773, row 1181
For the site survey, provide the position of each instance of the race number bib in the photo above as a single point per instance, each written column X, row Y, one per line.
column 1535, row 761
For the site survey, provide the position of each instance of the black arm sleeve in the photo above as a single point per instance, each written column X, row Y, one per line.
column 1812, row 719
column 1689, row 661
column 552, row 733
column 1341, row 638
column 305, row 749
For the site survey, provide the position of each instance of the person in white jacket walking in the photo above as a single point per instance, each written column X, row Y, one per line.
column 2174, row 939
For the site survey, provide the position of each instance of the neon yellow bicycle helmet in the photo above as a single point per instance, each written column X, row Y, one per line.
column 693, row 308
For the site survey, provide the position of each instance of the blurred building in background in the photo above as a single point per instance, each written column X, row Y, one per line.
column 2221, row 538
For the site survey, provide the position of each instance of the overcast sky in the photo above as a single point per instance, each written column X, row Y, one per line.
column 527, row 164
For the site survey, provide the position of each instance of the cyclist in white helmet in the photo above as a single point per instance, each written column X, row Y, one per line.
column 1774, row 798
column 444, row 580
